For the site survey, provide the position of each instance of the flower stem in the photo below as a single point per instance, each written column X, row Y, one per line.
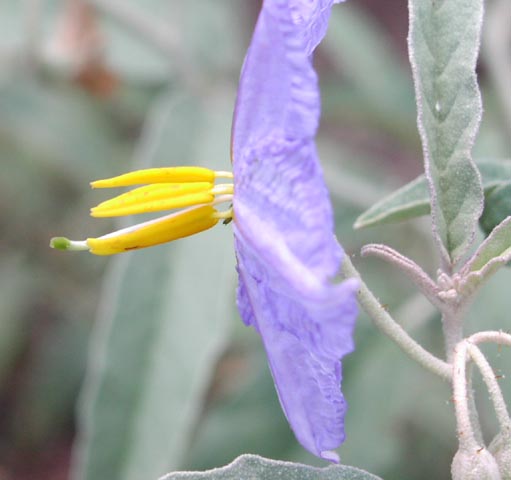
column 499, row 404
column 491, row 336
column 466, row 436
column 386, row 324
column 466, row 418
column 472, row 408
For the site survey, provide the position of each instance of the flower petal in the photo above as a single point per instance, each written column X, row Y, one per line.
column 280, row 193
column 313, row 17
column 274, row 157
column 283, row 224
column 278, row 86
column 304, row 337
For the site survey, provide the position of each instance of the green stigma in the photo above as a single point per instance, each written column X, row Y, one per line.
column 64, row 244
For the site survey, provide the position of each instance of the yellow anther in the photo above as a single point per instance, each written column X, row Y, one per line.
column 159, row 175
column 157, row 197
column 166, row 229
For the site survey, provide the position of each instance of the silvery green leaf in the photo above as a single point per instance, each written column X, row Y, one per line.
column 444, row 42
column 408, row 202
column 492, row 254
column 412, row 200
column 254, row 467
column 497, row 207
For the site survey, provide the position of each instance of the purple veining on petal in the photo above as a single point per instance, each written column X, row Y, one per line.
column 283, row 224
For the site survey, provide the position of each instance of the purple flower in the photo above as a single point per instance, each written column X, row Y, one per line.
column 285, row 246
column 286, row 250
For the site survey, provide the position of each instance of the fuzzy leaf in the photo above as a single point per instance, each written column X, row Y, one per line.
column 412, row 200
column 497, row 207
column 254, row 467
column 492, row 254
column 443, row 44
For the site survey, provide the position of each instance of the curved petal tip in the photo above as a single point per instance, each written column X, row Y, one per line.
column 331, row 456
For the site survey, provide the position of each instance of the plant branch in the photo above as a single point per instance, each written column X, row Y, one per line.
column 452, row 324
column 415, row 273
column 386, row 324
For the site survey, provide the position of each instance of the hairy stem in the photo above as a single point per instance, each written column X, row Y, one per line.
column 472, row 408
column 415, row 273
column 452, row 323
column 491, row 336
column 466, row 434
column 466, row 416
column 499, row 404
column 386, row 324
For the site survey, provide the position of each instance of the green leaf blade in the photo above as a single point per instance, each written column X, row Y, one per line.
column 497, row 207
column 443, row 43
column 258, row 468
column 412, row 200
column 498, row 244
column 492, row 254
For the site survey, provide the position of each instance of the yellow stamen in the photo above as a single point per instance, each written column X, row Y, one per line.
column 153, row 198
column 159, row 175
column 166, row 229
column 166, row 189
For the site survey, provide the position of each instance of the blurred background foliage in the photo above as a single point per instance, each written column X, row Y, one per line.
column 173, row 380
